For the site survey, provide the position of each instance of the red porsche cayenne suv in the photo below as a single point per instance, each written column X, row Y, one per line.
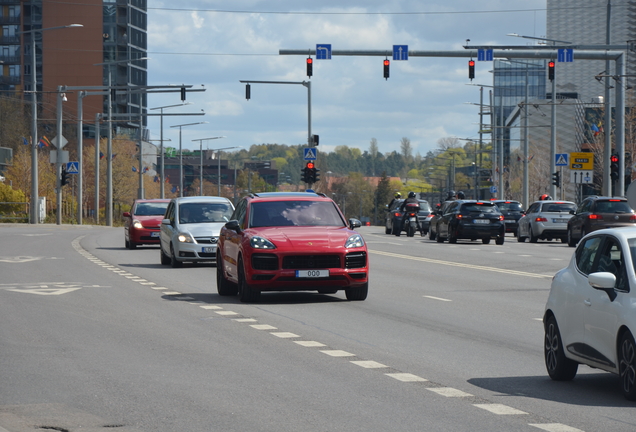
column 279, row 241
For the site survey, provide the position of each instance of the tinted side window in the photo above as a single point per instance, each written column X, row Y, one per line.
column 611, row 260
column 239, row 213
column 586, row 254
column 533, row 208
column 170, row 212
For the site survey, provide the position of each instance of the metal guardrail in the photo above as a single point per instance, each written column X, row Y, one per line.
column 7, row 213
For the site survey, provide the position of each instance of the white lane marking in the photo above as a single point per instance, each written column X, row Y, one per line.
column 555, row 427
column 525, row 255
column 463, row 265
column 226, row 313
column 172, row 293
column 556, row 259
column 243, row 319
column 284, row 334
column 538, row 319
column 158, row 288
column 406, row 377
column 211, row 307
column 337, row 353
column 310, row 343
column 183, row 298
column 500, row 409
column 437, row 298
column 51, row 291
column 263, row 327
column 449, row 392
column 368, row 364
column 147, row 283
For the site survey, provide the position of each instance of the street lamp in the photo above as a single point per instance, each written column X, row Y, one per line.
column 161, row 172
column 35, row 199
column 109, row 135
column 181, row 153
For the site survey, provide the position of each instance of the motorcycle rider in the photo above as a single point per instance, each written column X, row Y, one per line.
column 411, row 199
column 397, row 196
column 545, row 197
column 461, row 195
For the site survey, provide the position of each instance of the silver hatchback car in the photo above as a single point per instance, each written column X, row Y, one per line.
column 191, row 228
column 545, row 220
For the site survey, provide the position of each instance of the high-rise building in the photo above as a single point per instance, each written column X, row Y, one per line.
column 114, row 31
column 585, row 22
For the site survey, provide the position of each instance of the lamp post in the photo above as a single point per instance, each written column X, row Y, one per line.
column 161, row 156
column 181, row 154
column 201, row 163
column 34, row 121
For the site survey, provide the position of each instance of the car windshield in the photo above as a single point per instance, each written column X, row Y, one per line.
column 424, row 207
column 558, row 207
column 204, row 212
column 151, row 209
column 479, row 207
column 294, row 213
column 509, row 206
column 612, row 207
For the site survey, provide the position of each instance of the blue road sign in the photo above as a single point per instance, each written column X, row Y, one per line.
column 400, row 52
column 561, row 159
column 565, row 55
column 484, row 55
column 323, row 51
column 72, row 167
column 310, row 153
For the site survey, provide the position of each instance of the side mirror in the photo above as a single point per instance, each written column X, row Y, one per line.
column 603, row 281
column 125, row 214
column 354, row 223
column 572, row 212
column 233, row 225
column 165, row 222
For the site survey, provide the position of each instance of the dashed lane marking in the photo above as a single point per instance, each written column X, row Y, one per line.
column 463, row 265
column 368, row 364
column 284, row 335
column 226, row 313
column 263, row 327
column 555, row 427
column 438, row 298
column 406, row 377
column 337, row 353
column 500, row 409
column 243, row 319
column 449, row 392
column 310, row 344
column 211, row 307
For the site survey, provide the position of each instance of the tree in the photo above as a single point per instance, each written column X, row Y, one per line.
column 373, row 152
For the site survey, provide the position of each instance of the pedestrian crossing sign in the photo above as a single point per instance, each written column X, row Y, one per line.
column 72, row 167
column 310, row 153
column 561, row 159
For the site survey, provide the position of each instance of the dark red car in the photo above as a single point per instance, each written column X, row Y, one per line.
column 299, row 241
column 142, row 224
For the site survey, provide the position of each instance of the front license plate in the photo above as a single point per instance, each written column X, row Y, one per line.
column 208, row 249
column 559, row 220
column 481, row 221
column 154, row 234
column 312, row 273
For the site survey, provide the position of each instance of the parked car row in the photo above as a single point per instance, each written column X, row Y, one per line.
column 269, row 242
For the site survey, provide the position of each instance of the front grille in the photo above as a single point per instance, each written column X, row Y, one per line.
column 149, row 238
column 207, row 255
column 299, row 262
column 206, row 240
column 264, row 262
column 356, row 260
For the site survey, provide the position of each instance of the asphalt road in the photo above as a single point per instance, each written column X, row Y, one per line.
column 97, row 337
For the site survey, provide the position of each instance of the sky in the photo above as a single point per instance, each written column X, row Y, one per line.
column 213, row 44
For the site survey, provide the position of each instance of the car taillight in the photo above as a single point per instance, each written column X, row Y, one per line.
column 541, row 219
column 397, row 214
column 501, row 217
column 458, row 216
column 595, row 217
column 632, row 218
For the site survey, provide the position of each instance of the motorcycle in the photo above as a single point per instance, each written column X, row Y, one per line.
column 410, row 219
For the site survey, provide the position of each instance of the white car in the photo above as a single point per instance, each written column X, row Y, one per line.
column 590, row 316
column 545, row 220
column 191, row 228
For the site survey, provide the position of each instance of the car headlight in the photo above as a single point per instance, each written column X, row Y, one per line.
column 137, row 224
column 354, row 241
column 261, row 243
column 185, row 238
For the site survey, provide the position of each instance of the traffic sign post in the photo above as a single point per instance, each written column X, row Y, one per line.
column 561, row 159
column 310, row 153
column 72, row 167
column 582, row 161
column 323, row 51
column 400, row 52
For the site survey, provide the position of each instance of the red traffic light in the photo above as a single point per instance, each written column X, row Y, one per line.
column 471, row 69
column 387, row 62
column 310, row 165
column 614, row 159
column 471, row 63
column 310, row 67
column 551, row 64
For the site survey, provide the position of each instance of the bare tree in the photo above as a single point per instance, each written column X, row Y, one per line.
column 373, row 151
column 406, row 149
column 448, row 143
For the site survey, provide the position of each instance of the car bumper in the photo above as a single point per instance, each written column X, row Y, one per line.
column 470, row 231
column 511, row 225
column 195, row 252
column 551, row 230
column 144, row 236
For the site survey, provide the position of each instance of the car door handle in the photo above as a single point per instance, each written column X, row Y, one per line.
column 587, row 302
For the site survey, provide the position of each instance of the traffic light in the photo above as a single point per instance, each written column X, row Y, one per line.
column 310, row 67
column 304, row 173
column 471, row 69
column 183, row 94
column 315, row 139
column 248, row 92
column 387, row 63
column 551, row 70
column 316, row 174
column 556, row 179
column 614, row 160
column 64, row 178
column 311, row 172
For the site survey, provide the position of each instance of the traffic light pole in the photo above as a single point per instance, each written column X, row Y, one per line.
column 581, row 52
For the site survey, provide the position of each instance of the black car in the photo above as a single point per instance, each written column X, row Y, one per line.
column 472, row 220
column 437, row 215
column 599, row 212
column 512, row 211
